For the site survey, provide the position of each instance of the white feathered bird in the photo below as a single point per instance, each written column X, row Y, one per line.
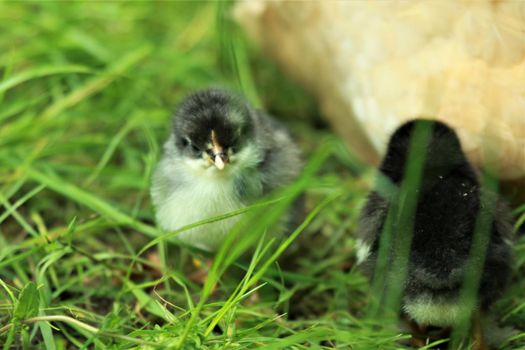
column 375, row 64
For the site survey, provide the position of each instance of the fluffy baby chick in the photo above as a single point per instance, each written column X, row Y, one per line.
column 448, row 202
column 221, row 156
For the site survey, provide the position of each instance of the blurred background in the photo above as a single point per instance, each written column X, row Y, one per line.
column 374, row 65
column 87, row 91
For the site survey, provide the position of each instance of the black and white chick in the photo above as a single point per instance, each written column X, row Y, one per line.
column 448, row 203
column 221, row 156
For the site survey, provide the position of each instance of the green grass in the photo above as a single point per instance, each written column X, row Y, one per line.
column 86, row 94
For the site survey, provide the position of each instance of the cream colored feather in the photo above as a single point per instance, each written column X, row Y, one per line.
column 375, row 64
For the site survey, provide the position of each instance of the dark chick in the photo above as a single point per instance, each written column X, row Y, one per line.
column 448, row 202
column 221, row 156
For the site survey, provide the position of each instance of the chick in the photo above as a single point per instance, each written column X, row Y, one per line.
column 221, row 156
column 448, row 202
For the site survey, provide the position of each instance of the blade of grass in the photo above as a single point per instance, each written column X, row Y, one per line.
column 41, row 72
column 98, row 83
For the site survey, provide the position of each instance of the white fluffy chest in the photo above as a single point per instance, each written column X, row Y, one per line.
column 200, row 199
column 185, row 191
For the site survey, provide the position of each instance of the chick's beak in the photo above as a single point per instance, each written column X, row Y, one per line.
column 220, row 161
column 219, row 157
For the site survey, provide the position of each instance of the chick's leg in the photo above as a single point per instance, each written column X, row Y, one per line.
column 477, row 333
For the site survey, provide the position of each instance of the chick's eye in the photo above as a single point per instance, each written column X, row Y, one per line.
column 184, row 142
column 236, row 146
